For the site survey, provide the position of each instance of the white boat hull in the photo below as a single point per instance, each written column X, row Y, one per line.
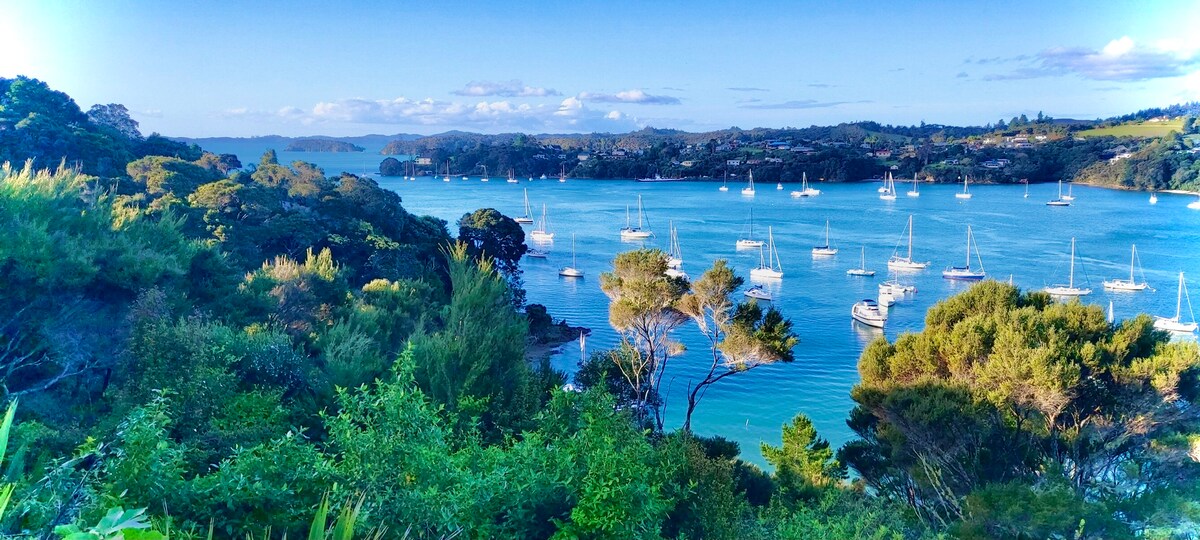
column 868, row 314
column 1067, row 291
column 860, row 272
column 894, row 288
column 722, row 188
column 906, row 265
column 765, row 273
column 1174, row 325
column 747, row 244
column 1058, row 202
column 824, row 251
column 962, row 195
column 524, row 220
column 965, row 274
column 758, row 293
column 570, row 272
column 677, row 273
column 888, row 197
column 1194, row 205
column 1124, row 285
column 635, row 234
column 539, row 236
column 748, row 192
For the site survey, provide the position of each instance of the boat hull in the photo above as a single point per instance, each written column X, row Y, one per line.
column 1067, row 291
column 1124, row 285
column 570, row 272
column 524, row 220
column 1058, row 203
column 860, row 272
column 963, row 274
column 1174, row 325
column 757, row 293
column 747, row 244
column 906, row 265
column 538, row 236
column 824, row 251
column 868, row 314
column 765, row 273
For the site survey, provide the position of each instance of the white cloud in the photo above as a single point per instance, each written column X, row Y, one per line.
column 513, row 88
column 629, row 96
column 1121, row 59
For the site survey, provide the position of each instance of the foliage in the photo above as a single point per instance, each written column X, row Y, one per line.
column 804, row 463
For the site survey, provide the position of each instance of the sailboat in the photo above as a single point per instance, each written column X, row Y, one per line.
column 562, row 174
column 965, row 194
column 805, row 189
column 1069, row 289
column 779, row 185
column 867, row 312
column 825, row 250
column 1026, row 187
column 1194, row 205
column 862, row 266
column 1069, row 196
column 629, row 232
column 571, row 271
column 749, row 189
column 896, row 262
column 757, row 292
column 725, row 182
column 770, row 267
column 1060, row 201
column 1128, row 284
column 485, row 176
column 674, row 254
column 914, row 192
column 749, row 241
column 1175, row 324
column 542, row 232
column 889, row 189
column 528, row 217
column 1153, row 198
column 893, row 287
column 966, row 272
column 512, row 179
column 447, row 177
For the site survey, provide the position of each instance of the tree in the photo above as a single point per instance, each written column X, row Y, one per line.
column 644, row 309
column 741, row 335
column 115, row 116
column 804, row 463
column 489, row 234
column 391, row 166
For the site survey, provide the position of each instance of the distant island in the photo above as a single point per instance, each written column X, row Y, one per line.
column 322, row 145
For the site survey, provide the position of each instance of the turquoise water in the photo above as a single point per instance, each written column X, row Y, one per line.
column 1018, row 237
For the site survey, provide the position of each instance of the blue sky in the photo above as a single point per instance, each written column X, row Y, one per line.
column 300, row 68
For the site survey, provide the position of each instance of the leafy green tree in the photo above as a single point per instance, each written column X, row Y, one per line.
column 804, row 464
column 488, row 233
column 115, row 116
column 644, row 309
column 740, row 335
column 391, row 166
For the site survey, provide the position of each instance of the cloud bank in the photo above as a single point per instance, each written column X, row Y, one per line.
column 629, row 96
column 513, row 88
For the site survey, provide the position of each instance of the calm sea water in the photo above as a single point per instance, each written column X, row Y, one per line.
column 1017, row 236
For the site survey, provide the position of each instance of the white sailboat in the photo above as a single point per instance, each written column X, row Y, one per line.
column 889, row 189
column 512, row 179
column 862, row 266
column 725, row 182
column 770, row 267
column 895, row 288
column 779, row 185
column 965, row 194
column 1128, row 284
column 542, row 232
column 1060, row 201
column 896, row 262
column 1069, row 196
column 914, row 192
column 1026, row 187
column 1175, row 324
column 674, row 254
column 629, row 232
column 573, row 270
column 447, row 177
column 485, row 175
column 528, row 217
column 867, row 312
column 805, row 189
column 1069, row 289
column 562, row 174
column 749, row 189
column 1194, row 205
column 825, row 250
column 966, row 272
column 749, row 241
column 1153, row 198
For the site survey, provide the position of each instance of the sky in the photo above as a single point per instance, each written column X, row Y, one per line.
column 201, row 69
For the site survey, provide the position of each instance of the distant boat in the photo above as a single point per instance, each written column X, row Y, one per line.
column 888, row 193
column 674, row 254
column 512, row 179
column 1128, row 284
column 658, row 178
column 629, row 232
column 1060, row 201
column 1027, row 188
column 1175, row 324
column 1068, row 196
column 862, row 266
column 749, row 189
column 965, row 194
column 447, row 177
column 896, row 262
column 914, row 192
column 571, row 271
column 536, row 253
column 779, row 185
column 1153, row 198
column 725, row 182
column 966, row 272
column 562, row 174
column 805, row 189
column 528, row 217
column 757, row 292
column 825, row 250
column 1194, row 205
column 770, row 267
column 542, row 232
column 895, row 288
column 485, row 176
column 1069, row 289
column 867, row 312
column 465, row 177
column 749, row 241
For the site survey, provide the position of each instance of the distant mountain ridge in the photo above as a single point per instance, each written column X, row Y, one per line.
column 373, row 140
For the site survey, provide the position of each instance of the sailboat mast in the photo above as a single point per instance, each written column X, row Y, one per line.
column 910, row 232
column 639, row 211
column 1071, row 280
column 968, row 246
column 1179, row 299
column 1132, row 255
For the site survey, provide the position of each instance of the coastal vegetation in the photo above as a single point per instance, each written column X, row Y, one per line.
column 194, row 348
column 322, row 145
